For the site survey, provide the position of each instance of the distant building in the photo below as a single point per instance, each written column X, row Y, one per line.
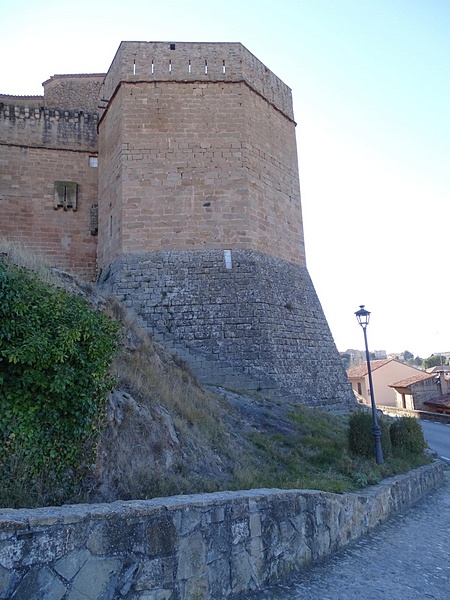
column 384, row 374
column 396, row 356
column 412, row 392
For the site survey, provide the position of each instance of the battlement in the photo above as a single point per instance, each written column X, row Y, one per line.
column 191, row 62
column 35, row 125
column 29, row 101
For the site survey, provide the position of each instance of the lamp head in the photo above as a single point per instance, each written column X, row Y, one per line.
column 363, row 316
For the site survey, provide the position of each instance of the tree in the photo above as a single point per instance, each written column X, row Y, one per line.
column 433, row 361
column 346, row 360
column 408, row 355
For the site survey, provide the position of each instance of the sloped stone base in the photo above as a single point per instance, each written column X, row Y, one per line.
column 240, row 319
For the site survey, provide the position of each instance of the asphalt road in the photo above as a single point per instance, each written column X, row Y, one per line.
column 437, row 436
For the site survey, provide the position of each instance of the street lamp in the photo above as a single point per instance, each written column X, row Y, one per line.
column 363, row 317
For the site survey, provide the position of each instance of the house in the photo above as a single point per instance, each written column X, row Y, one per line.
column 439, row 369
column 411, row 393
column 384, row 373
column 440, row 403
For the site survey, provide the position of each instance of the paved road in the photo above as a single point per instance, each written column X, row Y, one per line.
column 437, row 436
column 407, row 558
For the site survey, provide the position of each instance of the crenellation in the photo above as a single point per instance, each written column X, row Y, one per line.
column 149, row 61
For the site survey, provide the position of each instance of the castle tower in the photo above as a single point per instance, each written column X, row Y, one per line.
column 200, row 227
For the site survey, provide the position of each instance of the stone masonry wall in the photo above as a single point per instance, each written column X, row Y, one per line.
column 203, row 547
column 197, row 150
column 37, row 148
column 27, row 213
column 255, row 323
column 198, row 165
column 38, row 126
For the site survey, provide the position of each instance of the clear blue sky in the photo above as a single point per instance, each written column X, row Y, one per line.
column 371, row 88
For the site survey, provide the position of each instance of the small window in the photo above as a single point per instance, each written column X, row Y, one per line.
column 359, row 389
column 93, row 161
column 172, row 46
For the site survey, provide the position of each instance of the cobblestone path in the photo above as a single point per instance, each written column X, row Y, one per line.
column 407, row 558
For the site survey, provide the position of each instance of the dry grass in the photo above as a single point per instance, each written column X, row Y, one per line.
column 165, row 434
column 29, row 258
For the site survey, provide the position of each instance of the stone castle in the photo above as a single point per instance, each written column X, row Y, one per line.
column 173, row 179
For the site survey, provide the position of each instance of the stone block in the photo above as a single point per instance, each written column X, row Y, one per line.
column 96, row 579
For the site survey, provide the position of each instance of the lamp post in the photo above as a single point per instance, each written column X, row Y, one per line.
column 363, row 317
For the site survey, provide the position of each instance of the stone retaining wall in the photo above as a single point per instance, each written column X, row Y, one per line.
column 209, row 546
column 416, row 414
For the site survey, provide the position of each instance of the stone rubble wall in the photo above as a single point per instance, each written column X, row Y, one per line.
column 201, row 547
column 78, row 91
column 257, row 325
column 416, row 414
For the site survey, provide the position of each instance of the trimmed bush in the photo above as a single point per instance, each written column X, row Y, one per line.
column 407, row 435
column 360, row 437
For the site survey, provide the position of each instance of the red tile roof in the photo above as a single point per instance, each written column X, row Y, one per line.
column 441, row 402
column 361, row 371
column 412, row 380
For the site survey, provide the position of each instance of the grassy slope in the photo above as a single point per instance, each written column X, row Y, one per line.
column 165, row 434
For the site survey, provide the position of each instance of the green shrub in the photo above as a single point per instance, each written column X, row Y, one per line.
column 407, row 435
column 55, row 351
column 360, row 437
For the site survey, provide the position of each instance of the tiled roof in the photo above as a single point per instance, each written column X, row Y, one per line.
column 445, row 368
column 441, row 402
column 361, row 370
column 412, row 380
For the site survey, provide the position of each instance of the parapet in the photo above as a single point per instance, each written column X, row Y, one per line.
column 32, row 124
column 192, row 62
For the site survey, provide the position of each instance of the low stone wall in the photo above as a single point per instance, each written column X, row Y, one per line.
column 416, row 414
column 209, row 546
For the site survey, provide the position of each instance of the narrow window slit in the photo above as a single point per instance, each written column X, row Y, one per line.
column 134, row 67
column 206, row 67
column 223, row 66
column 170, row 66
column 153, row 67
column 189, row 67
